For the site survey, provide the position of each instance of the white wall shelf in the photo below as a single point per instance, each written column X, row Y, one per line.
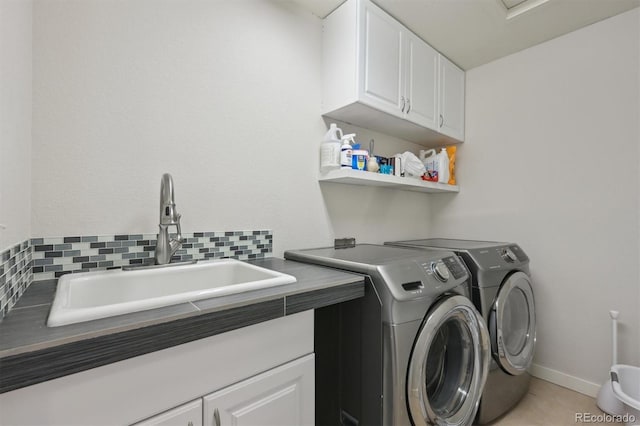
column 355, row 177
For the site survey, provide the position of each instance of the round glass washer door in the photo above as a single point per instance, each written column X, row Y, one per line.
column 449, row 364
column 513, row 324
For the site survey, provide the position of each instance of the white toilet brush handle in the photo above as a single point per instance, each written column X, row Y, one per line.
column 614, row 333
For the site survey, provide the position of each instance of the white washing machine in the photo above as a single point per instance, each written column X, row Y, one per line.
column 414, row 350
column 501, row 290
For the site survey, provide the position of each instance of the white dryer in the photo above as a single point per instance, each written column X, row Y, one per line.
column 501, row 289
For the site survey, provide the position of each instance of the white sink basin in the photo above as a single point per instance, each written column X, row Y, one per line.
column 92, row 295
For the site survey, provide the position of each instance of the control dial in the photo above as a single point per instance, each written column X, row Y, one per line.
column 440, row 270
column 508, row 255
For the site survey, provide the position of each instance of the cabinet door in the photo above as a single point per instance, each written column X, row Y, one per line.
column 380, row 57
column 280, row 397
column 421, row 89
column 189, row 414
column 451, row 120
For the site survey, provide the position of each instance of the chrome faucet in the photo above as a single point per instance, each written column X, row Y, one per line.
column 167, row 247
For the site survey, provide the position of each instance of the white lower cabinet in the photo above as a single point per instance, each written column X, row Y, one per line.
column 282, row 396
column 189, row 414
column 135, row 389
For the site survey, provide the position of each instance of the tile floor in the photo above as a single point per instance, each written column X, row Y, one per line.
column 547, row 404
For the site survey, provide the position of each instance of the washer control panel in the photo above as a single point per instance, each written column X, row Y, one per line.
column 504, row 257
column 435, row 269
column 443, row 269
column 518, row 253
column 455, row 266
column 425, row 276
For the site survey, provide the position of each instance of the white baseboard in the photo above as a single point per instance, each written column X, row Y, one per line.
column 565, row 380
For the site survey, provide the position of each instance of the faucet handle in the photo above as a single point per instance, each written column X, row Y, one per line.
column 174, row 245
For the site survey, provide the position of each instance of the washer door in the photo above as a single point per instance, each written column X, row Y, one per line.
column 449, row 364
column 513, row 324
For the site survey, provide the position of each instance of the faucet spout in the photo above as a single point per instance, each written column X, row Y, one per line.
column 168, row 213
column 166, row 247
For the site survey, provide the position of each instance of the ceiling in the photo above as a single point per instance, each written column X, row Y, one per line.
column 474, row 32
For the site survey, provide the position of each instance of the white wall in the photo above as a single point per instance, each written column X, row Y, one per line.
column 15, row 121
column 225, row 95
column 551, row 162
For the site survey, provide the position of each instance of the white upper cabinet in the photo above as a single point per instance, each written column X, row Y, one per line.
column 382, row 55
column 451, row 120
column 379, row 75
column 421, row 83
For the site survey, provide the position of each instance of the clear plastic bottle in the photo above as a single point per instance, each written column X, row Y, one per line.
column 443, row 166
column 330, row 149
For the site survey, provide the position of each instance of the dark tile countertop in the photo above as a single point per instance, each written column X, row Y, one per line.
column 31, row 352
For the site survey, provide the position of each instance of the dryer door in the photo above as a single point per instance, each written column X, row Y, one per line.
column 512, row 324
column 449, row 364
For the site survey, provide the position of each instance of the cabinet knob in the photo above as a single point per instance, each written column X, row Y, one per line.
column 403, row 102
column 408, row 105
column 216, row 417
column 190, row 424
column 441, row 120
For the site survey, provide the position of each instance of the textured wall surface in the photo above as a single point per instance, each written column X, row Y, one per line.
column 223, row 95
column 551, row 162
column 15, row 121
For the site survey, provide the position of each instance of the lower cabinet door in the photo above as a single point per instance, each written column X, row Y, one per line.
column 189, row 414
column 283, row 396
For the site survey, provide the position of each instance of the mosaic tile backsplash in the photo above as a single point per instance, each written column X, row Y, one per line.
column 54, row 257
column 15, row 275
column 51, row 257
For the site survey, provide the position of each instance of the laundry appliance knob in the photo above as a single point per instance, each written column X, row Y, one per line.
column 440, row 270
column 508, row 255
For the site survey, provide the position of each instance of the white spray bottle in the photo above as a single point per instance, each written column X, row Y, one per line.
column 346, row 150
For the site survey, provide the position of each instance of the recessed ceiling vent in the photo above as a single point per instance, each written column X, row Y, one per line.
column 518, row 7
